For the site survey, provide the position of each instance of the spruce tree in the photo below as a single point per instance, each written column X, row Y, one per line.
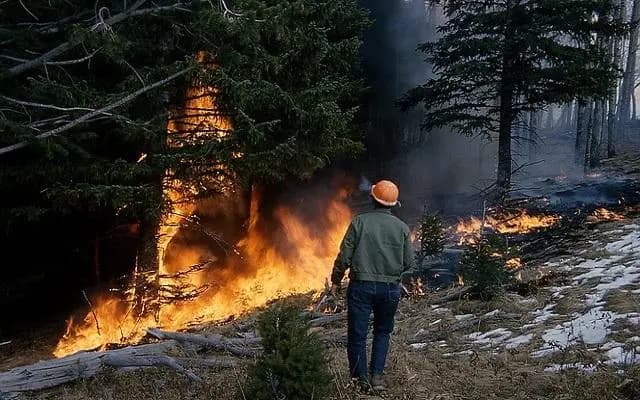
column 87, row 89
column 498, row 59
column 294, row 364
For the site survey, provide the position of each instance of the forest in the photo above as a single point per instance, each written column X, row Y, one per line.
column 178, row 176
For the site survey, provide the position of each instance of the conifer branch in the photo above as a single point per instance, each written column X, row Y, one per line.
column 103, row 110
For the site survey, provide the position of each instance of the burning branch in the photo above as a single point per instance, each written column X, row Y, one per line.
column 95, row 317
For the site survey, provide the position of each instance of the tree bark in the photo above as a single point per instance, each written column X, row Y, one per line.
column 628, row 79
column 579, row 148
column 534, row 121
column 596, row 134
column 507, row 113
column 588, row 130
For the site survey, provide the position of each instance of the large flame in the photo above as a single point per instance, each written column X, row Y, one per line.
column 297, row 259
column 520, row 222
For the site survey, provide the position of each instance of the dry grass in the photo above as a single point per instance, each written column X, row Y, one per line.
column 622, row 302
column 427, row 374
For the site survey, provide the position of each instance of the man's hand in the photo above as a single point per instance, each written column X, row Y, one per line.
column 335, row 290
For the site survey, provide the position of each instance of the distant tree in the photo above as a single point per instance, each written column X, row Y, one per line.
column 499, row 59
column 627, row 88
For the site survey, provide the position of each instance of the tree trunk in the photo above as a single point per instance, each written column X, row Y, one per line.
column 147, row 270
column 504, row 139
column 615, row 50
column 628, row 79
column 581, row 111
column 534, row 121
column 596, row 135
column 588, row 129
column 507, row 112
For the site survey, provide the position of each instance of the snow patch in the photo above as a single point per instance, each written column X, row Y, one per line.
column 627, row 244
column 518, row 341
column 589, row 328
column 589, row 368
column 492, row 338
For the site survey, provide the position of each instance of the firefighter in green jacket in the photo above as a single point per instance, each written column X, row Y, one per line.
column 377, row 251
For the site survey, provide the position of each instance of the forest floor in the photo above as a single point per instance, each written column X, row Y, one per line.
column 574, row 334
column 576, row 337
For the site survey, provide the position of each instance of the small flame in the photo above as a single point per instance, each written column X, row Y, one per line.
column 602, row 214
column 417, row 287
column 513, row 263
column 521, row 222
column 460, row 280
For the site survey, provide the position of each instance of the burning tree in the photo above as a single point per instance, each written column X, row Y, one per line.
column 91, row 92
column 497, row 60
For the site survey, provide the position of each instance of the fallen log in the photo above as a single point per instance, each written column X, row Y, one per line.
column 236, row 346
column 328, row 319
column 455, row 295
column 50, row 373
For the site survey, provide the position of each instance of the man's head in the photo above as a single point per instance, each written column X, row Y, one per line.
column 385, row 194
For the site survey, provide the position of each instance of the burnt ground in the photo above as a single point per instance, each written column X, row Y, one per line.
column 573, row 334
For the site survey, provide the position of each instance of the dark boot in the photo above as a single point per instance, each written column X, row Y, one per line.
column 363, row 384
column 378, row 383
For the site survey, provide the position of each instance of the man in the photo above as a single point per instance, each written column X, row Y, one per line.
column 377, row 250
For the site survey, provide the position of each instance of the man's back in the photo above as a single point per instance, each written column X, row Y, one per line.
column 376, row 247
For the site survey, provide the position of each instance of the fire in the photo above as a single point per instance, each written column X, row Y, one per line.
column 267, row 270
column 418, row 288
column 602, row 214
column 266, row 265
column 513, row 263
column 520, row 222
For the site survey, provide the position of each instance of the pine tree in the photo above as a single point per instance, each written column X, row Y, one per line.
column 430, row 235
column 484, row 266
column 294, row 364
column 499, row 59
column 88, row 88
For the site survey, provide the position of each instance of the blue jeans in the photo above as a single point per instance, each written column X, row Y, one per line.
column 362, row 298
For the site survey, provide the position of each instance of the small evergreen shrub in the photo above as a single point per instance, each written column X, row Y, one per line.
column 430, row 235
column 294, row 365
column 484, row 267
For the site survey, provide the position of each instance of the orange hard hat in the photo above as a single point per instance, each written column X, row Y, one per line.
column 385, row 193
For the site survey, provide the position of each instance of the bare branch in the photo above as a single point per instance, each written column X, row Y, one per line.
column 28, row 11
column 56, row 51
column 94, row 113
column 39, row 105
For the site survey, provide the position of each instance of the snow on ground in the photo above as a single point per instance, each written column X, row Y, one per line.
column 609, row 262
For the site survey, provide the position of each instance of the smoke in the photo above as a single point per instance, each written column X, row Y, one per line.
column 439, row 169
column 364, row 185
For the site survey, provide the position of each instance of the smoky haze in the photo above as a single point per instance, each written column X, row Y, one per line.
column 439, row 169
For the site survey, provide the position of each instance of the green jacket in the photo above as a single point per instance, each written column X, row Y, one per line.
column 376, row 247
